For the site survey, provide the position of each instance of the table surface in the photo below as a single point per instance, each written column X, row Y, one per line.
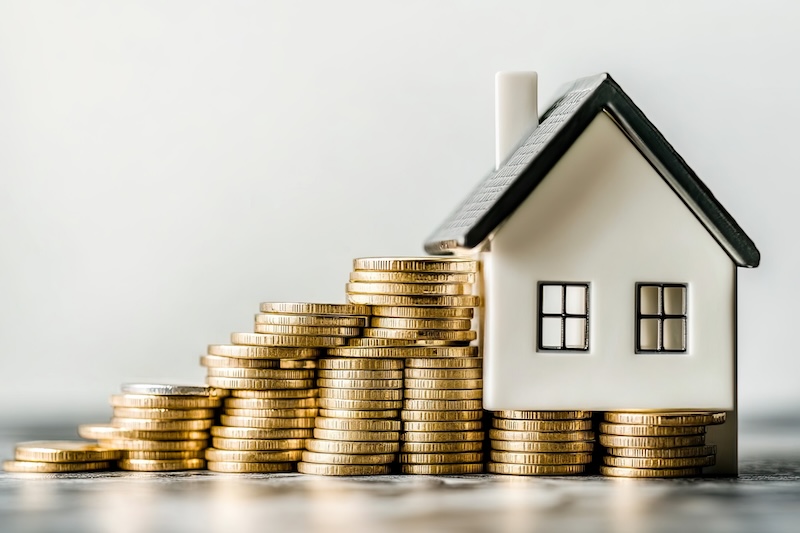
column 765, row 497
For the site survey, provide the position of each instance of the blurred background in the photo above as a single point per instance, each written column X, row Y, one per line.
column 166, row 166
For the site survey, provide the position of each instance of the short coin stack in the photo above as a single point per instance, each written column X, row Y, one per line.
column 657, row 444
column 541, row 443
column 358, row 428
column 158, row 427
column 52, row 457
column 270, row 374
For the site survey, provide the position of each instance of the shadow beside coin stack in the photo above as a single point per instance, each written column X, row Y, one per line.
column 158, row 427
column 657, row 444
column 270, row 375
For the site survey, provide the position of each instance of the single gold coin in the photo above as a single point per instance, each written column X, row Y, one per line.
column 362, row 394
column 360, row 364
column 650, row 431
column 543, row 415
column 65, row 451
column 298, row 364
column 542, row 447
column 442, row 384
column 416, row 264
column 421, row 323
column 163, row 456
column 442, row 436
column 171, row 389
column 444, row 416
column 358, row 414
column 621, row 441
column 441, row 458
column 359, row 405
column 261, row 373
column 273, row 413
column 320, row 331
column 232, row 432
column 411, row 289
column 542, row 425
column 218, row 361
column 351, row 448
column 265, row 445
column 423, row 312
column 259, row 384
column 443, row 373
column 658, row 462
column 442, row 469
column 357, row 424
column 297, row 308
column 348, row 459
column 664, row 453
column 270, row 403
column 677, row 418
column 360, row 374
column 37, row 467
column 274, row 394
column 442, row 447
column 163, row 414
column 374, row 276
column 230, row 467
column 145, row 424
column 443, row 425
column 147, row 401
column 264, row 339
column 246, row 456
column 262, row 352
column 311, row 320
column 614, row 471
column 537, row 458
column 150, row 465
column 141, row 445
column 443, row 405
column 417, row 334
column 543, row 436
column 534, row 470
column 356, row 435
column 266, row 423
column 443, row 394
column 372, row 342
column 374, row 384
column 341, row 470
column 402, row 352
column 466, row 300
column 444, row 362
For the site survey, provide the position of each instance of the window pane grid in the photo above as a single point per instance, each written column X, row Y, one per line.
column 668, row 316
column 573, row 327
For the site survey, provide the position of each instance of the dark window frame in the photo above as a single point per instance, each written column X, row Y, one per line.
column 661, row 315
column 563, row 316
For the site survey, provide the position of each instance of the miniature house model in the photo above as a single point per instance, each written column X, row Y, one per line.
column 610, row 269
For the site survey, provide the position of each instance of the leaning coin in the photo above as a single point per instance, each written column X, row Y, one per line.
column 229, row 432
column 676, row 418
column 164, row 389
column 246, row 456
column 348, row 459
column 442, row 436
column 542, row 447
column 161, row 425
column 230, row 467
column 267, row 423
column 163, row 414
column 149, row 465
column 655, row 462
column 442, row 447
column 542, row 425
column 351, row 424
column 347, row 447
column 543, row 415
column 61, row 451
column 341, row 470
column 218, row 361
column 358, row 414
column 665, row 453
column 442, row 416
column 614, row 471
column 258, row 444
column 262, row 352
column 535, row 470
column 356, row 435
column 415, row 264
column 443, row 425
column 154, row 445
column 541, row 458
column 650, row 431
column 621, row 441
column 164, row 402
column 442, row 469
column 545, row 436
column 37, row 467
column 304, row 308
column 423, row 312
column 441, row 458
column 360, row 364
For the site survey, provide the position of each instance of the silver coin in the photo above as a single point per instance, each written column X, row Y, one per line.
column 164, row 389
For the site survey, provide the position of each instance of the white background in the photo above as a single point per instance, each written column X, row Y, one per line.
column 167, row 165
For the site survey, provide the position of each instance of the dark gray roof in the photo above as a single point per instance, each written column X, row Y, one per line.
column 499, row 195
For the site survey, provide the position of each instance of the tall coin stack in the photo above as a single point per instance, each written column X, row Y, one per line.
column 541, row 443
column 422, row 311
column 657, row 444
column 158, row 427
column 270, row 374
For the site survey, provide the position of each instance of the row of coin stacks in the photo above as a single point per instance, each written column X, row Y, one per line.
column 542, row 443
column 271, row 375
column 157, row 427
column 55, row 457
column 657, row 444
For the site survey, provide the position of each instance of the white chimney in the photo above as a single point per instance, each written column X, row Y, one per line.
column 516, row 110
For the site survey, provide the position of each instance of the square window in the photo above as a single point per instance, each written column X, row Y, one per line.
column 661, row 317
column 563, row 316
column 552, row 303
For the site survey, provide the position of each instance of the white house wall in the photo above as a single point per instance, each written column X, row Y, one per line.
column 604, row 216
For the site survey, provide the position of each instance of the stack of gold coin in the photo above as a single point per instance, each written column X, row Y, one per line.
column 424, row 300
column 53, row 457
column 158, row 427
column 657, row 444
column 541, row 443
column 442, row 414
column 357, row 431
column 271, row 376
